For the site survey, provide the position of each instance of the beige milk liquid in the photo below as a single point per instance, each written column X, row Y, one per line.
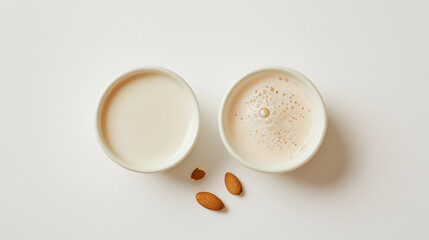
column 146, row 118
column 270, row 118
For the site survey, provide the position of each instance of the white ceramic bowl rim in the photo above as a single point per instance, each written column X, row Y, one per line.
column 296, row 162
column 177, row 157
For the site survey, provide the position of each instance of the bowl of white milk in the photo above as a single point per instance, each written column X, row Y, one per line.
column 148, row 120
column 273, row 120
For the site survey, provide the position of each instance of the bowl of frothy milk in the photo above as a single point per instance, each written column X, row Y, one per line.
column 273, row 120
column 148, row 120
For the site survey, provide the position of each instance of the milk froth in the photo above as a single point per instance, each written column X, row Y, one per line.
column 269, row 118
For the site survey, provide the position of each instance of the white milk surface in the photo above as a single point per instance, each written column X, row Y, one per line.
column 146, row 118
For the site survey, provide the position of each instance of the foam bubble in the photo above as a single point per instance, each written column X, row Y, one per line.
column 273, row 120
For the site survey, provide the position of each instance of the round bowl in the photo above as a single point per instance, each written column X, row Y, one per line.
column 148, row 164
column 318, row 128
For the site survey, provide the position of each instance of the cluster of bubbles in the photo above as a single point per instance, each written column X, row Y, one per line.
column 272, row 116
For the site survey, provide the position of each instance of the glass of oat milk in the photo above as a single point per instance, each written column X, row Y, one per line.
column 148, row 120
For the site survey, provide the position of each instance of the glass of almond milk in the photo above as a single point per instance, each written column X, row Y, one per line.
column 273, row 120
column 148, row 120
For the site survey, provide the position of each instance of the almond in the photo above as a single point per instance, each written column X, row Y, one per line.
column 233, row 184
column 209, row 201
column 198, row 174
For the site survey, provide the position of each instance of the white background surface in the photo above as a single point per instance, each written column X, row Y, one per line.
column 369, row 60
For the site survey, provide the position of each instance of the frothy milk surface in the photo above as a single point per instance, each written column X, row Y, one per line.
column 146, row 118
column 269, row 118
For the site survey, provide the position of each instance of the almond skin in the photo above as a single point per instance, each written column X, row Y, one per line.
column 198, row 174
column 209, row 201
column 233, row 184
